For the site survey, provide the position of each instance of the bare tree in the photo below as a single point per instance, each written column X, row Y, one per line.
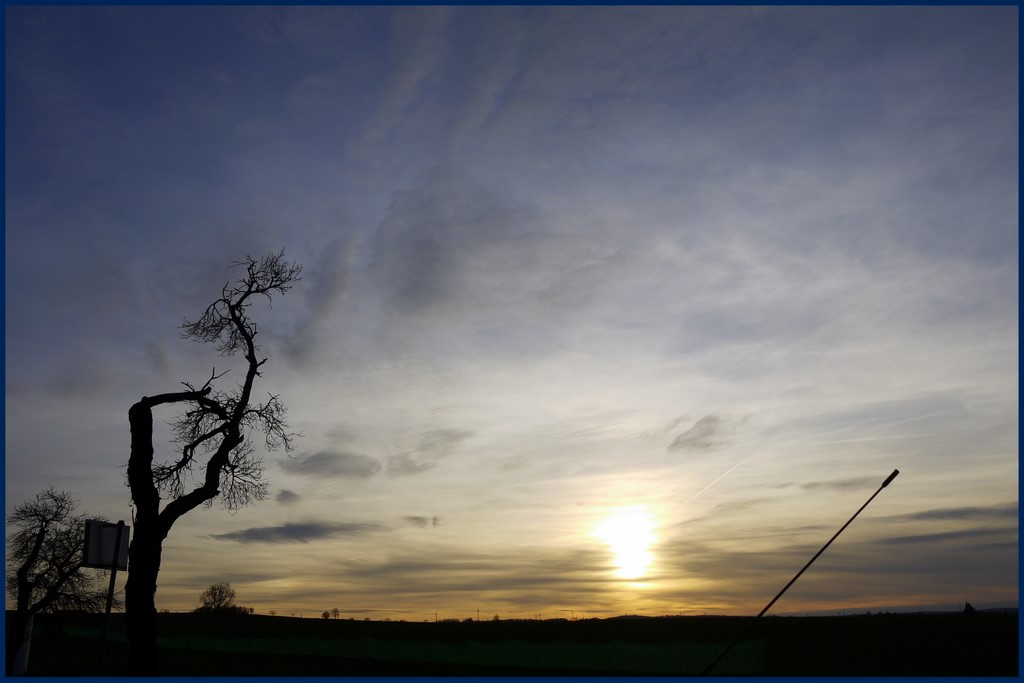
column 45, row 552
column 218, row 597
column 336, row 612
column 217, row 456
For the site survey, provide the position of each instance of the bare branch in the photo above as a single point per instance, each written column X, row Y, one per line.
column 209, row 382
column 225, row 321
column 222, row 423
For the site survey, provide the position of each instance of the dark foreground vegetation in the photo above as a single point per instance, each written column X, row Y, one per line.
column 980, row 644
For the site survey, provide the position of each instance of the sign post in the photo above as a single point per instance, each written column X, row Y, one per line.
column 106, row 547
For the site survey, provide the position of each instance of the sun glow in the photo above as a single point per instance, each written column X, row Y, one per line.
column 629, row 533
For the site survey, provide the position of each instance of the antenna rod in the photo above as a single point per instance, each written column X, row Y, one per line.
column 746, row 628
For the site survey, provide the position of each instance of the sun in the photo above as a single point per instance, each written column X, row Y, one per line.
column 629, row 533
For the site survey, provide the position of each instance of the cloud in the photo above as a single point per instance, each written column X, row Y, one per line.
column 543, row 577
column 160, row 357
column 422, row 522
column 303, row 532
column 433, row 446
column 332, row 464
column 436, row 231
column 874, row 569
column 326, row 283
column 977, row 535
column 992, row 512
column 286, row 497
column 495, row 61
column 704, row 435
column 842, row 484
column 419, row 49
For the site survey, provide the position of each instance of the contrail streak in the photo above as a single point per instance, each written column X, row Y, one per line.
column 713, row 481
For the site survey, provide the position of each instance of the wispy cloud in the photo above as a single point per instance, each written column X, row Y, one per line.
column 422, row 522
column 330, row 272
column 545, row 577
column 706, row 434
column 437, row 235
column 332, row 464
column 974, row 536
column 286, row 497
column 300, row 532
column 431, row 448
column 419, row 45
column 847, row 574
column 842, row 484
column 1003, row 511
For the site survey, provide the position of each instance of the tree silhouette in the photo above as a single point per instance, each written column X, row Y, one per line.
column 217, row 455
column 219, row 597
column 45, row 552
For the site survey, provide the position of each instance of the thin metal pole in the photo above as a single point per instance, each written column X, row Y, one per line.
column 110, row 591
column 746, row 628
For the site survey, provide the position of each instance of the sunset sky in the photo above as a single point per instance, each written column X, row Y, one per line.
column 604, row 310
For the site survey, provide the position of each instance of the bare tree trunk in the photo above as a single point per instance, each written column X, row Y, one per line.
column 147, row 541
column 144, row 551
column 220, row 417
column 140, row 602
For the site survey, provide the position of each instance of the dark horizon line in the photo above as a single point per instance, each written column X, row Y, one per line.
column 833, row 613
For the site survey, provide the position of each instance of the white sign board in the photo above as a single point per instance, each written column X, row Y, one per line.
column 100, row 541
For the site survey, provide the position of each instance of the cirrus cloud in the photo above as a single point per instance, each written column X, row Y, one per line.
column 300, row 532
column 706, row 434
column 332, row 464
column 432, row 447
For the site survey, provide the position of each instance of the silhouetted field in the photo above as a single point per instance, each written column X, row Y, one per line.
column 980, row 644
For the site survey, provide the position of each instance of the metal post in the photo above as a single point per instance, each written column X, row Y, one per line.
column 728, row 647
column 20, row 666
column 110, row 591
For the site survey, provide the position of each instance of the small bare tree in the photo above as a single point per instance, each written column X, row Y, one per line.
column 217, row 456
column 218, row 597
column 45, row 552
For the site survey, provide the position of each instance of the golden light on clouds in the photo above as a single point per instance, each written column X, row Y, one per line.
column 629, row 533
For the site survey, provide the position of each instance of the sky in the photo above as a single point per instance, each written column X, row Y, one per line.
column 604, row 310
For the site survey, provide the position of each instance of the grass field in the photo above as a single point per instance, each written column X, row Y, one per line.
column 234, row 645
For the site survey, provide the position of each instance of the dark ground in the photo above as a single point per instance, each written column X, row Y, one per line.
column 979, row 644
